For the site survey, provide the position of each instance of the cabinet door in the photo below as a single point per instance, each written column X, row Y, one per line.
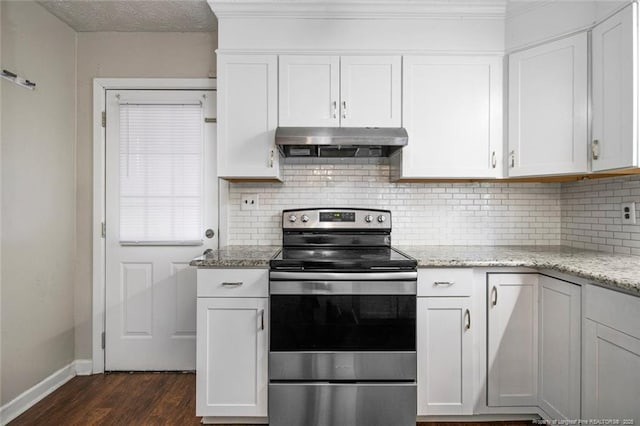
column 247, row 116
column 309, row 90
column 559, row 355
column 452, row 110
column 513, row 340
column 548, row 108
column 615, row 86
column 370, row 91
column 445, row 358
column 232, row 351
column 611, row 374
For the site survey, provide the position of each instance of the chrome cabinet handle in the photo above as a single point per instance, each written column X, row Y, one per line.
column 513, row 158
column 595, row 149
column 493, row 160
column 261, row 319
column 494, row 296
column 467, row 316
column 335, row 109
column 444, row 283
column 232, row 284
column 344, row 109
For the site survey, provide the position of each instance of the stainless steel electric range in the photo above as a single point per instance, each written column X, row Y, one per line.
column 343, row 322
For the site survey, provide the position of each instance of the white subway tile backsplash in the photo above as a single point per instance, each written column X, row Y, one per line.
column 423, row 213
column 592, row 218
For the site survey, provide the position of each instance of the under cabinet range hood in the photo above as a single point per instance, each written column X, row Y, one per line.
column 340, row 141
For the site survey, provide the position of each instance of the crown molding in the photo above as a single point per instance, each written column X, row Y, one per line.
column 359, row 9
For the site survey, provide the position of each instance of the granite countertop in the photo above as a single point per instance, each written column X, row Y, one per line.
column 237, row 257
column 614, row 270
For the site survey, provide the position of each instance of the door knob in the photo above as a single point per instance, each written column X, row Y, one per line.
column 207, row 252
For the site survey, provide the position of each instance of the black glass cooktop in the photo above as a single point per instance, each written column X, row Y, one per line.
column 341, row 258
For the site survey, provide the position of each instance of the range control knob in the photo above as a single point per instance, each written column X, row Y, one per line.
column 368, row 218
column 292, row 218
column 381, row 218
column 305, row 218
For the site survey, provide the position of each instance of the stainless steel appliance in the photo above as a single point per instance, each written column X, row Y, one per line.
column 343, row 322
column 340, row 141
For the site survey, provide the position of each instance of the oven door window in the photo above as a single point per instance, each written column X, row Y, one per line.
column 343, row 323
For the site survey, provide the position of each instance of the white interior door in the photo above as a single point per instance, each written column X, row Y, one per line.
column 161, row 194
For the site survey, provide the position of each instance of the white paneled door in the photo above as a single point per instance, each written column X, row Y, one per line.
column 161, row 195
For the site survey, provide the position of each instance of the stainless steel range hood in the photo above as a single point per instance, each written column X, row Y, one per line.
column 340, row 141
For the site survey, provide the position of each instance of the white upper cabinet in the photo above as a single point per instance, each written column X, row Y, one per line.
column 615, row 91
column 370, row 91
column 452, row 110
column 333, row 91
column 548, row 109
column 309, row 90
column 247, row 117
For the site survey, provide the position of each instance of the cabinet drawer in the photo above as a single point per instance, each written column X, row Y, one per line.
column 445, row 282
column 614, row 309
column 233, row 283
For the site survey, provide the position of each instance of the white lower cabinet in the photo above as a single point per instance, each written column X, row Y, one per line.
column 445, row 341
column 232, row 344
column 611, row 368
column 513, row 340
column 559, row 354
column 445, row 358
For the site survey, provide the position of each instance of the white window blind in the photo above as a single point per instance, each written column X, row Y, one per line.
column 161, row 176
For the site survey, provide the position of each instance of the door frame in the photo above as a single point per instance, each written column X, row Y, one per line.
column 100, row 86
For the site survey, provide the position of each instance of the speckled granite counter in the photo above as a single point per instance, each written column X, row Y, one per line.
column 613, row 270
column 237, row 257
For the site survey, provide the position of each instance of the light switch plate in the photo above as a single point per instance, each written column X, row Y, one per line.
column 249, row 202
column 628, row 213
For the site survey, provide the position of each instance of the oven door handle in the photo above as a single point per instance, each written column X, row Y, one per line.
column 344, row 276
column 310, row 287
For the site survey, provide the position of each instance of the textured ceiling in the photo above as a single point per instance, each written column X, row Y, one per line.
column 134, row 15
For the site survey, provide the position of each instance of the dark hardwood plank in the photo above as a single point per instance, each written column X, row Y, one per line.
column 148, row 399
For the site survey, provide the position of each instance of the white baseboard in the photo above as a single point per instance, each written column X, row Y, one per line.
column 234, row 420
column 32, row 396
column 84, row 367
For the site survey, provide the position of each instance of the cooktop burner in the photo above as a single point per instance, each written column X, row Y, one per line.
column 342, row 258
column 344, row 239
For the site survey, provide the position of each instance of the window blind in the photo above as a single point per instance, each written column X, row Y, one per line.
column 161, row 176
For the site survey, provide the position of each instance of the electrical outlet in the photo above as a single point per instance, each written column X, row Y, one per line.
column 249, row 202
column 628, row 213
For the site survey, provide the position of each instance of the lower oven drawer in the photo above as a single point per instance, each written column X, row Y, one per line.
column 345, row 404
column 342, row 366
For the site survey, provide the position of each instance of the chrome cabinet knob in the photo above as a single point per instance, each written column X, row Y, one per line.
column 368, row 218
column 292, row 218
column 305, row 218
column 381, row 218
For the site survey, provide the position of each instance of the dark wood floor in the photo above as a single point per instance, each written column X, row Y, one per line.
column 131, row 399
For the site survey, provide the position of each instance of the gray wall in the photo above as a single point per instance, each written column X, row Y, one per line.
column 185, row 55
column 38, row 197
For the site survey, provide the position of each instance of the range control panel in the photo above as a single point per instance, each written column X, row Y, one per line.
column 336, row 218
